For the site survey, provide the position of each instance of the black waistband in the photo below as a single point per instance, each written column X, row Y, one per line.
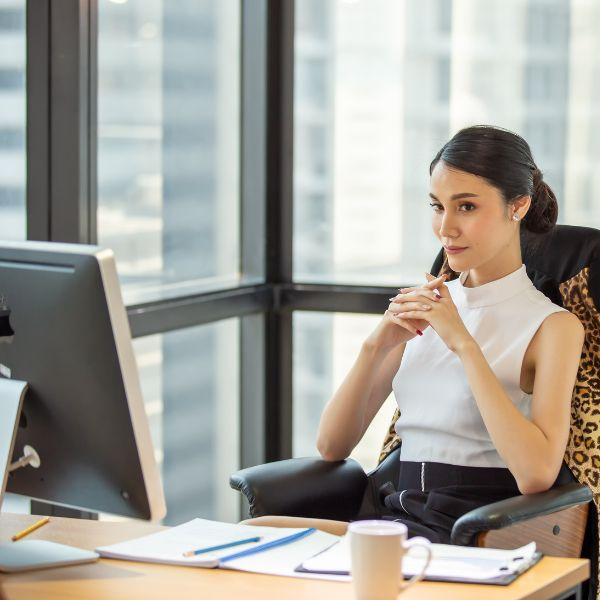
column 429, row 475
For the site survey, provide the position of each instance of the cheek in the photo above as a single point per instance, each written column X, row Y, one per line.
column 436, row 221
column 496, row 224
column 486, row 231
column 480, row 228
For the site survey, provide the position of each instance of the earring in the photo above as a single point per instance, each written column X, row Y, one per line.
column 516, row 217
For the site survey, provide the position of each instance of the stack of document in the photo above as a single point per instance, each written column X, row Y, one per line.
column 308, row 553
column 448, row 563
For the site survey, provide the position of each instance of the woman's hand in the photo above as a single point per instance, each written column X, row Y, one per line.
column 433, row 304
column 393, row 330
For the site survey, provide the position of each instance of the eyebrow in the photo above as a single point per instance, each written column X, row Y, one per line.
column 458, row 196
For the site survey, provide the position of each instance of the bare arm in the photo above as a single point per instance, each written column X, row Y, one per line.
column 347, row 415
column 532, row 449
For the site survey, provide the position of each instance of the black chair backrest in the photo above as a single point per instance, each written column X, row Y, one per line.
column 555, row 257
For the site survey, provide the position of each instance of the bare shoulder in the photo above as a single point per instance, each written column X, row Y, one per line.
column 561, row 329
column 562, row 323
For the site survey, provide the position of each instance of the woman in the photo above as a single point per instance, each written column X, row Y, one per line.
column 483, row 392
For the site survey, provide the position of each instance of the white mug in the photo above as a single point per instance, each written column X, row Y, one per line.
column 376, row 549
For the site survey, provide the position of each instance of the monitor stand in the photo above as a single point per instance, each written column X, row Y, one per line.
column 27, row 554
column 12, row 394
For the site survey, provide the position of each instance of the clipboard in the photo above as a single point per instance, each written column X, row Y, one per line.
column 456, row 564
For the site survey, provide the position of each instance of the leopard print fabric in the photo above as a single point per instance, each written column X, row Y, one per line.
column 391, row 441
column 583, row 449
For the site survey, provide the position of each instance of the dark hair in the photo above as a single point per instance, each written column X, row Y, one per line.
column 504, row 160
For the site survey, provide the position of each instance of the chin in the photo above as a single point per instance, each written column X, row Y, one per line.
column 458, row 264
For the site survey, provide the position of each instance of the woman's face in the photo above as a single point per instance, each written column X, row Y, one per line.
column 471, row 220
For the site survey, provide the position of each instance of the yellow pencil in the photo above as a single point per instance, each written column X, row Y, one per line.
column 29, row 529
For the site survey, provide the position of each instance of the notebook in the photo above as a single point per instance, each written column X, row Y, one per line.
column 279, row 551
column 449, row 563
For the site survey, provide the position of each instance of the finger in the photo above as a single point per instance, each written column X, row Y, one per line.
column 406, row 290
column 443, row 291
column 405, row 324
column 407, row 306
column 432, row 283
column 420, row 295
column 414, row 314
column 410, row 290
column 435, row 286
column 436, row 281
column 393, row 315
column 398, row 307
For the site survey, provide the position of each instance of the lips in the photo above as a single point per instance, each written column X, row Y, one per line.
column 454, row 249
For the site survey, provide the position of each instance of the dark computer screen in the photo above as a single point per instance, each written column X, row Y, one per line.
column 83, row 412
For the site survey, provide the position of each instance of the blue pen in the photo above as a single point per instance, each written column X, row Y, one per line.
column 221, row 546
column 268, row 545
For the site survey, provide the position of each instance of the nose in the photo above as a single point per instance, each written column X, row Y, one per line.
column 447, row 226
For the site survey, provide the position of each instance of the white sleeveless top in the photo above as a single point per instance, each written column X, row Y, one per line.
column 439, row 420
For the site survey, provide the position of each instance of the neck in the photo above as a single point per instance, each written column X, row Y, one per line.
column 499, row 267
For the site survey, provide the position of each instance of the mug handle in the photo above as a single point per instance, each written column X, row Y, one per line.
column 426, row 545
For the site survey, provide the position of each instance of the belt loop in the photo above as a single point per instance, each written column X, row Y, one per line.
column 422, row 476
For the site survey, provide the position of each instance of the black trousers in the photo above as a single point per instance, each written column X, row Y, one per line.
column 431, row 496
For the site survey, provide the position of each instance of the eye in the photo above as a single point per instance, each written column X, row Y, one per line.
column 437, row 207
column 467, row 207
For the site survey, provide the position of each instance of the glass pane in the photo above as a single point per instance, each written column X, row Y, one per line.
column 12, row 120
column 325, row 347
column 381, row 85
column 168, row 143
column 190, row 382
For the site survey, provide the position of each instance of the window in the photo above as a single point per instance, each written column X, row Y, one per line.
column 325, row 347
column 190, row 383
column 12, row 120
column 443, row 11
column 389, row 97
column 168, row 144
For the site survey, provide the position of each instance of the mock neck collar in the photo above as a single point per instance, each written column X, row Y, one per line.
column 496, row 291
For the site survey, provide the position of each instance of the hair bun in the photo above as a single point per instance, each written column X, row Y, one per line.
column 543, row 212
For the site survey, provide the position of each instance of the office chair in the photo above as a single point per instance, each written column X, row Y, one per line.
column 565, row 265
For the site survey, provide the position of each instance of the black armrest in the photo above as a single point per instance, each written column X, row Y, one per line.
column 303, row 487
column 520, row 508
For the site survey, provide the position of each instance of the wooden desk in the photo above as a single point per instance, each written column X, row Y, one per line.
column 115, row 580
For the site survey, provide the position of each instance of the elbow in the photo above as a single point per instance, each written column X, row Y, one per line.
column 329, row 453
column 332, row 457
column 533, row 487
column 536, row 484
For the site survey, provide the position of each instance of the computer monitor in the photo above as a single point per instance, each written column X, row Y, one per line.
column 83, row 411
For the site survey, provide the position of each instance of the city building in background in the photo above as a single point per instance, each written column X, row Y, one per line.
column 12, row 119
column 380, row 85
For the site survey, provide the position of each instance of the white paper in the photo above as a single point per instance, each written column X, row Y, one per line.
column 168, row 546
column 283, row 560
column 447, row 561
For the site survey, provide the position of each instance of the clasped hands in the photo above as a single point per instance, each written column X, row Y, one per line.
column 416, row 308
